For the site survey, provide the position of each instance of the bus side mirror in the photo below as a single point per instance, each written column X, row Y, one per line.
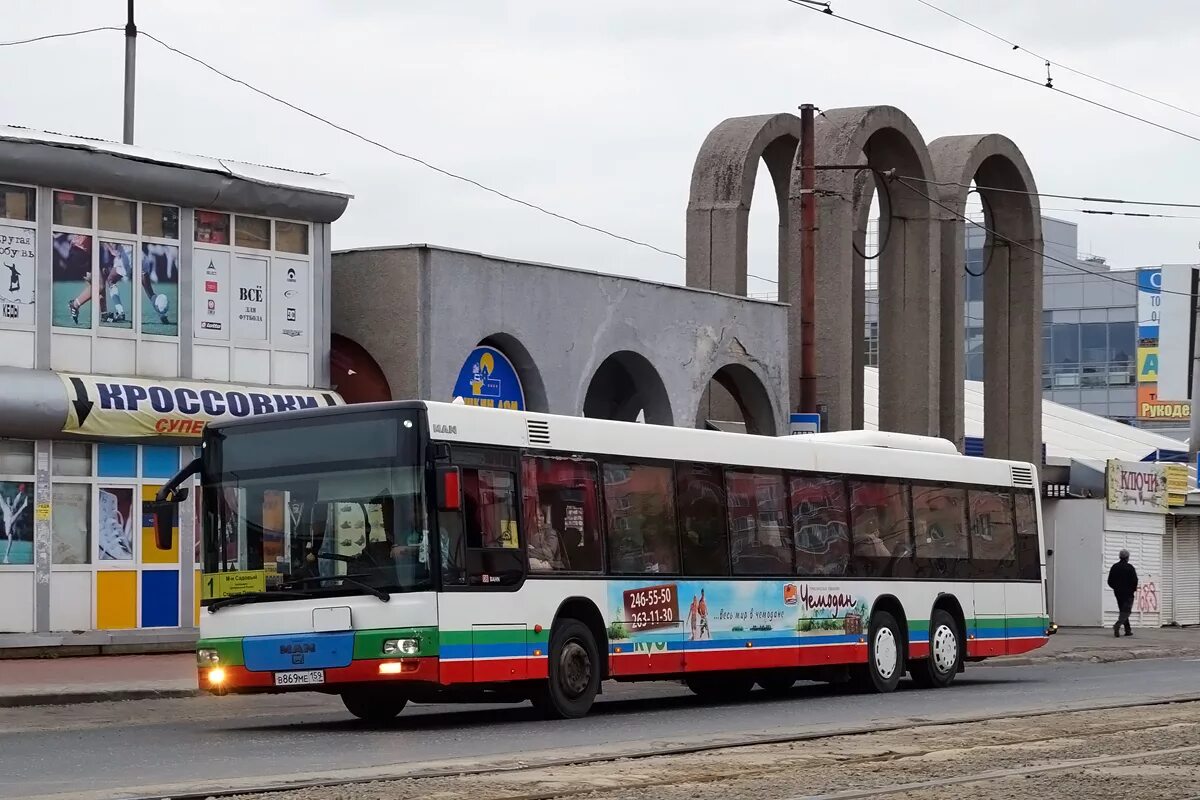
column 449, row 488
column 165, row 516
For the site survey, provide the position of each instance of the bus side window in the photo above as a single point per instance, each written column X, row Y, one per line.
column 881, row 527
column 490, row 538
column 760, row 533
column 560, row 507
column 993, row 535
column 642, row 535
column 943, row 549
column 820, row 524
column 1029, row 552
column 702, row 522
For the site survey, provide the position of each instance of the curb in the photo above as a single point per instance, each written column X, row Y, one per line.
column 75, row 698
column 1093, row 657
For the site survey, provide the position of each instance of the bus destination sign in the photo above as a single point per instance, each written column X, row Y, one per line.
column 652, row 607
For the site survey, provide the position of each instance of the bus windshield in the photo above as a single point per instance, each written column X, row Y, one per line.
column 335, row 504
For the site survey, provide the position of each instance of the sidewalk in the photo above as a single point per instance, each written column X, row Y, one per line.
column 57, row 681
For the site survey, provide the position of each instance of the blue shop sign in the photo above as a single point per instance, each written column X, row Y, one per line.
column 488, row 379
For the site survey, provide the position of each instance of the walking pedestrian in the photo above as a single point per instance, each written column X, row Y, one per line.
column 1123, row 580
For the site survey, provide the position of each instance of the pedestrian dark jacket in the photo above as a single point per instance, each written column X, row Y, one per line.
column 1122, row 579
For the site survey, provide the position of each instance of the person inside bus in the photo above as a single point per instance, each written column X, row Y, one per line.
column 545, row 547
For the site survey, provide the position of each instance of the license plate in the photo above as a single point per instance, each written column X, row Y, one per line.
column 310, row 677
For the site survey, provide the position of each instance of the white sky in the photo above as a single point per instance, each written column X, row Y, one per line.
column 596, row 110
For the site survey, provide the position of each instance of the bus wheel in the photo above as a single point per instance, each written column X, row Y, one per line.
column 574, row 672
column 945, row 653
column 720, row 685
column 373, row 706
column 885, row 656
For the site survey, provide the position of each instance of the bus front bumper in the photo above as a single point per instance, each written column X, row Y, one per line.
column 220, row 680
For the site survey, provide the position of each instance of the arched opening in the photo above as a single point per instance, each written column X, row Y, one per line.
column 532, row 385
column 738, row 390
column 627, row 387
column 355, row 375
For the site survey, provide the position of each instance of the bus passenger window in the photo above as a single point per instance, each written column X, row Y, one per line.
column 560, row 509
column 760, row 536
column 820, row 525
column 940, row 524
column 705, row 537
column 490, row 534
column 993, row 537
column 642, row 536
column 881, row 529
column 1029, row 552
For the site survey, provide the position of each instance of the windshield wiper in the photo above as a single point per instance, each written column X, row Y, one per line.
column 254, row 597
column 351, row 579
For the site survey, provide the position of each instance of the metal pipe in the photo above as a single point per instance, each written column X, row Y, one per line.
column 1194, row 437
column 808, row 261
column 130, row 69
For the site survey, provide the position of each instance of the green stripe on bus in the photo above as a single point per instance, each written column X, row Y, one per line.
column 229, row 650
column 494, row 635
column 369, row 644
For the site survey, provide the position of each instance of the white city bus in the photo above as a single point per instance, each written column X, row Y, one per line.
column 418, row 551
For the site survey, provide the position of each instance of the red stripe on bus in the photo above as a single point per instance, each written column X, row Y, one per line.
column 918, row 650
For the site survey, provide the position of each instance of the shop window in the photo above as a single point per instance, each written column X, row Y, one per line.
column 18, row 203
column 16, row 522
column 1029, row 551
column 160, row 222
column 252, row 232
column 820, row 525
column 159, row 289
column 212, row 227
column 702, row 517
column 71, row 459
column 118, row 216
column 760, row 539
column 993, row 537
column 881, row 529
column 116, row 273
column 561, row 515
column 116, row 460
column 940, row 525
column 71, row 262
column 291, row 237
column 160, row 462
column 16, row 457
column 72, row 209
column 71, row 514
column 115, row 521
column 642, row 536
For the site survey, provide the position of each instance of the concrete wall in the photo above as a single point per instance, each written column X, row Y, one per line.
column 420, row 311
column 1078, row 536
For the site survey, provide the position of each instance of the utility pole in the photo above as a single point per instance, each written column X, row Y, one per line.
column 1194, row 438
column 808, row 260
column 130, row 64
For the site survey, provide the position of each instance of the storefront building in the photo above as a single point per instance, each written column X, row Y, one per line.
column 143, row 294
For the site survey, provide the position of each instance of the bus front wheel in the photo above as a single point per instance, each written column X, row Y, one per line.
column 575, row 669
column 373, row 705
column 885, row 656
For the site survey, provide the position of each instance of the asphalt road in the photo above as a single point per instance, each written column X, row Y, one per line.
column 80, row 750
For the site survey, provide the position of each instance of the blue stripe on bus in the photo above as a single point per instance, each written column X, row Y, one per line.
column 1008, row 633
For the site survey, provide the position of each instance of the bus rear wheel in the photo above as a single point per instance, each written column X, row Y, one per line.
column 373, row 705
column 885, row 656
column 575, row 669
column 945, row 653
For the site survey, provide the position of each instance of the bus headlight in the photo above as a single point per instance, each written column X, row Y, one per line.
column 207, row 657
column 401, row 647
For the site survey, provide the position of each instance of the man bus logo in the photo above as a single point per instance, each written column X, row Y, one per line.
column 449, row 430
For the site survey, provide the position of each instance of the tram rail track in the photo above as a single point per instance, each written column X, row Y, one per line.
column 633, row 752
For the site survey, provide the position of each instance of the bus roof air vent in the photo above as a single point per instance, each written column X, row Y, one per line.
column 538, row 432
column 1023, row 477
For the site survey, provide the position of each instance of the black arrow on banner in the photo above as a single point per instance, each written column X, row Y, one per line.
column 83, row 406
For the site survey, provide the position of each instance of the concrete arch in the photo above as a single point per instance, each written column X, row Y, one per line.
column 625, row 385
column 718, row 213
column 1012, row 291
column 749, row 392
column 909, row 273
column 527, row 369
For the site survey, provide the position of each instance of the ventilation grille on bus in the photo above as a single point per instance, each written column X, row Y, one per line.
column 1023, row 477
column 538, row 431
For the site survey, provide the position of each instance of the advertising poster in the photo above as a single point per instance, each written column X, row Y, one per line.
column 703, row 611
column 116, row 298
column 289, row 302
column 250, row 299
column 71, row 280
column 210, row 288
column 115, row 505
column 72, row 513
column 488, row 379
column 16, row 518
column 18, row 279
column 159, row 278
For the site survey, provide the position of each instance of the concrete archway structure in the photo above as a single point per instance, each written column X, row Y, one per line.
column 750, row 394
column 909, row 272
column 523, row 362
column 1012, row 291
column 625, row 386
